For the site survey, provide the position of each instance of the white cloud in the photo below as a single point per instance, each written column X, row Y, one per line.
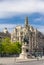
column 7, row 25
column 39, row 19
column 12, row 7
column 41, row 29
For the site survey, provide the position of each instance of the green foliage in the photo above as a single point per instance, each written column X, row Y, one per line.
column 8, row 47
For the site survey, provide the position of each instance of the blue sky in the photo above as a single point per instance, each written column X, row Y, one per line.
column 13, row 12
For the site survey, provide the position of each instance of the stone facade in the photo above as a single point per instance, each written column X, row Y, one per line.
column 35, row 37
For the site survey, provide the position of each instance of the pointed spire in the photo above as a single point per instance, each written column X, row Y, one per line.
column 26, row 21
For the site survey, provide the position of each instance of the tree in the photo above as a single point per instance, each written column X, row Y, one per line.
column 16, row 48
column 6, row 47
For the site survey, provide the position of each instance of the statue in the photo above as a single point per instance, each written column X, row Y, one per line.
column 26, row 39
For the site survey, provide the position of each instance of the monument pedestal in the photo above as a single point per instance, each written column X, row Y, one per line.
column 25, row 52
column 23, row 56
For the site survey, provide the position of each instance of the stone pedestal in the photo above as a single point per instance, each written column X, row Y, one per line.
column 23, row 56
column 25, row 51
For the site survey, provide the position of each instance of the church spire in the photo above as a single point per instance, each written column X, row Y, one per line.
column 26, row 21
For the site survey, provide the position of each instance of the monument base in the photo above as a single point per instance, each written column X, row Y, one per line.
column 24, row 57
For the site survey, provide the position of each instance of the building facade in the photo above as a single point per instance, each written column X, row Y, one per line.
column 34, row 37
